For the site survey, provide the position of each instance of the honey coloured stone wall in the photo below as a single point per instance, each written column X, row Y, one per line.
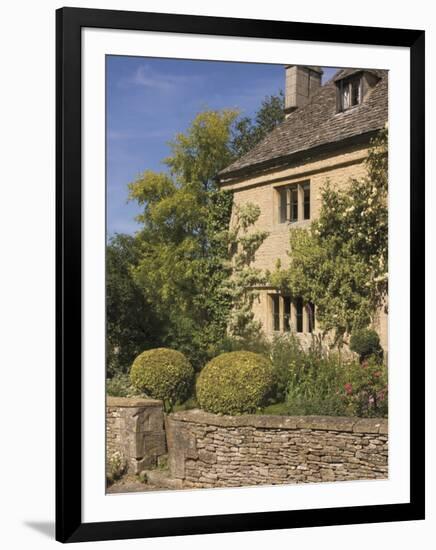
column 207, row 450
column 337, row 169
column 135, row 428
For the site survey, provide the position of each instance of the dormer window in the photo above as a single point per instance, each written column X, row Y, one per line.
column 349, row 93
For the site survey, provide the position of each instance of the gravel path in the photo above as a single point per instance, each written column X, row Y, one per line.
column 159, row 481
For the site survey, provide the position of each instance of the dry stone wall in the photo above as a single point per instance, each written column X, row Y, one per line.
column 207, row 450
column 135, row 428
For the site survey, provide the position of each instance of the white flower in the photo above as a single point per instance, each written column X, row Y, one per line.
column 380, row 278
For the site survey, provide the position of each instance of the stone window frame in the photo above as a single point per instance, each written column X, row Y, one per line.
column 347, row 84
column 286, row 205
column 288, row 323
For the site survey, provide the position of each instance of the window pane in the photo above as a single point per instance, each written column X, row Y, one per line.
column 355, row 92
column 275, row 312
column 339, row 97
column 311, row 315
column 299, row 314
column 294, row 205
column 282, row 206
column 287, row 313
column 346, row 96
column 306, row 192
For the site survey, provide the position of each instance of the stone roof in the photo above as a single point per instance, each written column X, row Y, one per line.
column 317, row 123
column 344, row 73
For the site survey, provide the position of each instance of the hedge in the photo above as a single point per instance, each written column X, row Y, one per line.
column 162, row 373
column 235, row 383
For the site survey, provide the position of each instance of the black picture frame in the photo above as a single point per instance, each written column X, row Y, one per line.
column 69, row 525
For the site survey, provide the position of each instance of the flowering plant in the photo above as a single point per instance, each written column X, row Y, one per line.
column 117, row 466
column 366, row 391
column 341, row 263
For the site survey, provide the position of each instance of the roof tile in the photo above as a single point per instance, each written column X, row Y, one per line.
column 318, row 123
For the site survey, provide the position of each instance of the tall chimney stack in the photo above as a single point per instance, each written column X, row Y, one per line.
column 301, row 83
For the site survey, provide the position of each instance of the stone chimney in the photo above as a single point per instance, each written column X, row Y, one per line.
column 301, row 83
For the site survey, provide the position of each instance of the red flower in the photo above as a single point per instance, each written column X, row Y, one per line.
column 381, row 395
column 348, row 388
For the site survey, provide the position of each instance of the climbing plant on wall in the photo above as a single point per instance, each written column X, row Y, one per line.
column 341, row 262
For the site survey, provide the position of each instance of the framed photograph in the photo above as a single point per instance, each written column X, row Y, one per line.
column 240, row 275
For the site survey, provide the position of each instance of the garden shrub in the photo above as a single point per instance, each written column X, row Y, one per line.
column 285, row 353
column 316, row 386
column 120, row 386
column 231, row 343
column 190, row 403
column 366, row 388
column 366, row 342
column 163, row 373
column 117, row 466
column 235, row 383
column 330, row 386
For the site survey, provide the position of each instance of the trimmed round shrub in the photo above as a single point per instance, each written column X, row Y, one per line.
column 365, row 342
column 163, row 373
column 235, row 383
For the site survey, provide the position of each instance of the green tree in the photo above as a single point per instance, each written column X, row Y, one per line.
column 181, row 261
column 243, row 243
column 248, row 132
column 182, row 210
column 341, row 262
column 214, row 301
column 131, row 324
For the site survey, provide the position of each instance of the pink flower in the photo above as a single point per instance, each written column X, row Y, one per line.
column 348, row 388
column 381, row 395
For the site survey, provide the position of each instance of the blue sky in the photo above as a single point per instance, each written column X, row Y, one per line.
column 149, row 100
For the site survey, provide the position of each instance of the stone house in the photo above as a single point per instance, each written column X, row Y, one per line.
column 325, row 136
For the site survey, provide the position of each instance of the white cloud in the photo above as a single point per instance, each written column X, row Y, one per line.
column 146, row 77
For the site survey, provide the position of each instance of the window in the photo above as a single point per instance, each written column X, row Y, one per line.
column 275, row 305
column 299, row 314
column 349, row 93
column 293, row 217
column 294, row 203
column 291, row 314
column 283, row 194
column 306, row 201
column 286, row 313
column 311, row 316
